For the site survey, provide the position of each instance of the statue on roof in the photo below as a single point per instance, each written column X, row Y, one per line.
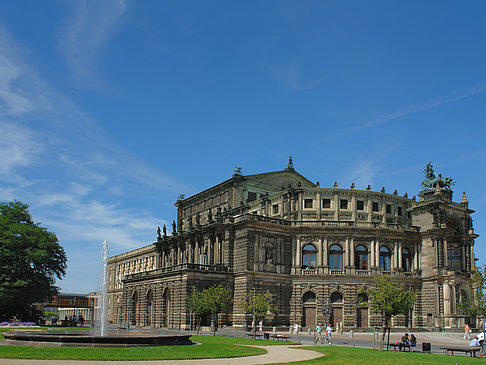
column 237, row 170
column 159, row 235
column 431, row 181
column 290, row 164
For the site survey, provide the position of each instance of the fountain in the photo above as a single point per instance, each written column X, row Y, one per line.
column 104, row 286
column 78, row 339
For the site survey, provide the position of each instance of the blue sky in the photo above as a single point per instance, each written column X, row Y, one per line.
column 110, row 109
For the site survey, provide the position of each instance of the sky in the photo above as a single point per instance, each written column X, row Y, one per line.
column 109, row 109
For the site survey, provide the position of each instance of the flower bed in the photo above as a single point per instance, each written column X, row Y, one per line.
column 17, row 324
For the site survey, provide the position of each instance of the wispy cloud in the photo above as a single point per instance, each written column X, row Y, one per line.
column 429, row 104
column 87, row 31
column 294, row 77
column 64, row 165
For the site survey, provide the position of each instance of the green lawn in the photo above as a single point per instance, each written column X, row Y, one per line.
column 211, row 347
column 357, row 356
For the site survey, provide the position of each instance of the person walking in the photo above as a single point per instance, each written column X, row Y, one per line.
column 260, row 326
column 318, row 334
column 467, row 331
column 328, row 333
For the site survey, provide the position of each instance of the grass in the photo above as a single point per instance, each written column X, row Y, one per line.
column 211, row 347
column 357, row 356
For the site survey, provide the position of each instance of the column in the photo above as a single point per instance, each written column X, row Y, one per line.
column 394, row 258
column 377, row 253
column 196, row 252
column 351, row 253
column 353, row 208
column 372, row 255
column 325, row 256
column 471, row 257
column 298, row 254
column 282, row 206
column 300, row 207
column 400, row 263
column 319, row 205
column 463, row 255
column 369, row 206
column 324, row 253
column 416, row 256
column 446, row 255
column 447, row 299
column 319, row 255
column 346, row 254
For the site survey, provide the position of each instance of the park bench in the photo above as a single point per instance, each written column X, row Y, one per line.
column 280, row 337
column 467, row 350
column 404, row 346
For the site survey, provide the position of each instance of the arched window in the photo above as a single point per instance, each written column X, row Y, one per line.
column 361, row 258
column 309, row 255
column 336, row 297
column 385, row 258
column 309, row 297
column 336, row 257
column 406, row 259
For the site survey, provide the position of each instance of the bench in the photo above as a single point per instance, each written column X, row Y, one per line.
column 280, row 337
column 405, row 346
column 467, row 350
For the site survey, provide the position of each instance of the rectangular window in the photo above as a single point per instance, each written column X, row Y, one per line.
column 399, row 211
column 308, row 203
column 252, row 196
column 326, row 203
column 343, row 204
column 275, row 209
column 375, row 207
column 388, row 209
column 360, row 205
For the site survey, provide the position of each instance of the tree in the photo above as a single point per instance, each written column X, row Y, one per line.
column 31, row 260
column 477, row 304
column 390, row 299
column 215, row 299
column 259, row 304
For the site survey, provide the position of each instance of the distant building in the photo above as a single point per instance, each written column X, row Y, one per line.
column 70, row 304
column 309, row 246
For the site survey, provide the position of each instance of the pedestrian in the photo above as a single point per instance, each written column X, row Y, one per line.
column 318, row 334
column 467, row 331
column 81, row 320
column 328, row 333
column 260, row 326
column 296, row 328
column 253, row 326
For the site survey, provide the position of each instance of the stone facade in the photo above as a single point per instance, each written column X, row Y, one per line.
column 307, row 245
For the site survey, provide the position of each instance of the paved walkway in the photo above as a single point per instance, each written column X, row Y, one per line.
column 275, row 354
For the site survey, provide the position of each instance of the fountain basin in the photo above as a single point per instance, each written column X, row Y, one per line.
column 70, row 339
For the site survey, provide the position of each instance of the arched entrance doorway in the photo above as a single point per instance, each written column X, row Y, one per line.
column 150, row 298
column 337, row 308
column 309, row 310
column 166, row 308
column 133, row 308
column 362, row 310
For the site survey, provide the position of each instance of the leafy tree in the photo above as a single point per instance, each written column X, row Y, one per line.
column 31, row 259
column 477, row 305
column 390, row 299
column 259, row 304
column 215, row 299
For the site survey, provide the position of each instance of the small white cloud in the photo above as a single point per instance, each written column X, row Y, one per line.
column 293, row 76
